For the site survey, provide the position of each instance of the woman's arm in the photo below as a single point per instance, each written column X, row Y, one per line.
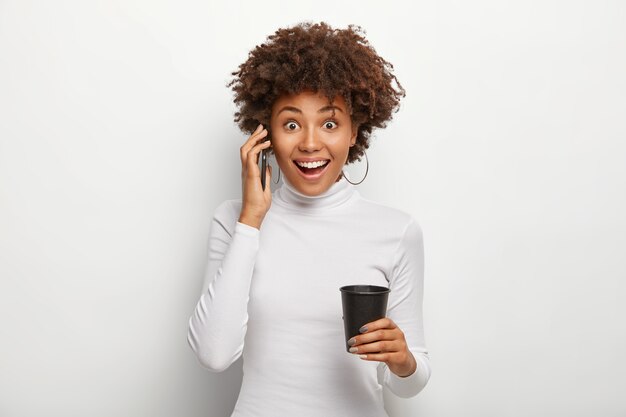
column 404, row 307
column 397, row 340
column 218, row 325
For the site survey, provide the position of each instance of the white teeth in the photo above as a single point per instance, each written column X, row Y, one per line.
column 312, row 164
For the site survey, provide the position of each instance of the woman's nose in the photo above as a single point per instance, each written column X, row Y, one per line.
column 310, row 141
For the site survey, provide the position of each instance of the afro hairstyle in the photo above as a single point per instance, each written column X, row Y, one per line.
column 334, row 62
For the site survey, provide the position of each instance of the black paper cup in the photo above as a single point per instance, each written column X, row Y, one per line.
column 362, row 304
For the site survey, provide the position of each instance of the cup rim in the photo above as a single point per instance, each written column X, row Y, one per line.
column 373, row 289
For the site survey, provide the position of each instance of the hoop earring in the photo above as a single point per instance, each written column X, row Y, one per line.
column 366, row 170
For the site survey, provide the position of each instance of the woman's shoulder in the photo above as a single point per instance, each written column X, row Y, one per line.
column 228, row 208
column 390, row 217
column 227, row 213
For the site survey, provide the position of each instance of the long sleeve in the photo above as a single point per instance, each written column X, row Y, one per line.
column 218, row 325
column 404, row 307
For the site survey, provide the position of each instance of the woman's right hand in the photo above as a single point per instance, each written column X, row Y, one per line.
column 255, row 201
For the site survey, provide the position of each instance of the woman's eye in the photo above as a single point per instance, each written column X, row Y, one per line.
column 291, row 125
column 330, row 124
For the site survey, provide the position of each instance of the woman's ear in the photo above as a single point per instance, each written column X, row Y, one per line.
column 355, row 133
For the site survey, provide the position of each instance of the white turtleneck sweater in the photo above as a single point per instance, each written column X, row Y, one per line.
column 272, row 295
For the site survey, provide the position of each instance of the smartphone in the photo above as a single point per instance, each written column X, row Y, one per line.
column 263, row 164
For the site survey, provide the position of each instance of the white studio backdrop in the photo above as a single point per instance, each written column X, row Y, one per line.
column 117, row 143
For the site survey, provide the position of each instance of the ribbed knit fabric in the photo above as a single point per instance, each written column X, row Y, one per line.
column 273, row 296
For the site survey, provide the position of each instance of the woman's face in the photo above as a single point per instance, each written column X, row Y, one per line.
column 303, row 128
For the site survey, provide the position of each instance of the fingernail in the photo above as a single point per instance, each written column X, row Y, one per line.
column 351, row 341
column 353, row 350
column 257, row 128
column 363, row 329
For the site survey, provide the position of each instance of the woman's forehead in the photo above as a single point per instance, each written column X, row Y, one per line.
column 309, row 98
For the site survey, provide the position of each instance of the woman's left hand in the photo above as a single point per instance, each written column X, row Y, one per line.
column 383, row 341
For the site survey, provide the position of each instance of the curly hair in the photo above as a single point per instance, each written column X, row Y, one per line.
column 335, row 62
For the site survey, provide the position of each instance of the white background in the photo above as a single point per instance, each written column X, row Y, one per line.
column 117, row 143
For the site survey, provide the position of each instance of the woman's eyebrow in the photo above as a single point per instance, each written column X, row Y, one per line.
column 297, row 110
column 289, row 108
column 328, row 108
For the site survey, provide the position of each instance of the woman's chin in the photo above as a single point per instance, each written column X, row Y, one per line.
column 311, row 188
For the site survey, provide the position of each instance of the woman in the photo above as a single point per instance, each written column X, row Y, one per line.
column 277, row 260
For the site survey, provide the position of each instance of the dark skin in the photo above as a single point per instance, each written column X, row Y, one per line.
column 383, row 341
column 308, row 132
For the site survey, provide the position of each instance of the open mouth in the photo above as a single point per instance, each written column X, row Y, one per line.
column 315, row 170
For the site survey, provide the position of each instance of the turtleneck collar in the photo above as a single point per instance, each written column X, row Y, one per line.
column 339, row 193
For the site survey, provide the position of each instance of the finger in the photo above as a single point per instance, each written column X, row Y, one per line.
column 258, row 130
column 379, row 357
column 254, row 149
column 378, row 335
column 252, row 159
column 258, row 148
column 384, row 323
column 253, row 140
column 377, row 347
